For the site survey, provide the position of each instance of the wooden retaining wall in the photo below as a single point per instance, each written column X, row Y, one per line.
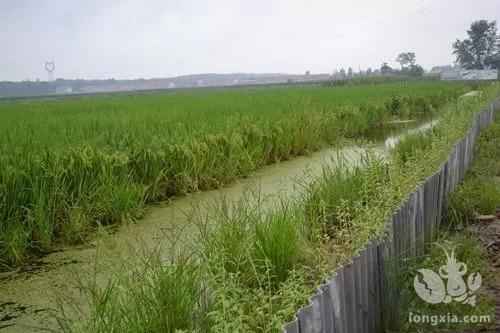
column 353, row 299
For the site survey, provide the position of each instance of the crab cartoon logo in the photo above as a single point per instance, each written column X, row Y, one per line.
column 448, row 285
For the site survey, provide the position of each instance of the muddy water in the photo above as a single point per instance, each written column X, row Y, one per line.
column 27, row 296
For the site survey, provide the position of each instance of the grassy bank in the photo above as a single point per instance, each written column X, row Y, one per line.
column 478, row 194
column 69, row 165
column 468, row 251
column 257, row 268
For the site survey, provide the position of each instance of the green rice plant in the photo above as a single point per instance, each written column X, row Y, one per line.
column 14, row 242
column 376, row 80
column 97, row 160
column 394, row 105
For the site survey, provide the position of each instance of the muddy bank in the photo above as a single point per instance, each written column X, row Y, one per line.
column 27, row 296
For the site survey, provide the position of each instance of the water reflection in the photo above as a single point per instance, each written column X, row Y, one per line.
column 393, row 140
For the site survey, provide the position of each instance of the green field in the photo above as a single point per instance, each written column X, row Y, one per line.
column 256, row 267
column 68, row 165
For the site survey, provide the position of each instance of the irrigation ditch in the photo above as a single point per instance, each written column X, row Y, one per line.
column 359, row 296
column 26, row 292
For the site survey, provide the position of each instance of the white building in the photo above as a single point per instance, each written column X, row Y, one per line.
column 470, row 74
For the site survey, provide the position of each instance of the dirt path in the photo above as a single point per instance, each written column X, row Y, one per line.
column 27, row 296
column 488, row 233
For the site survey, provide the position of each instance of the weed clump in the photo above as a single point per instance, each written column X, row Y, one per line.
column 337, row 197
column 479, row 194
column 261, row 267
column 156, row 296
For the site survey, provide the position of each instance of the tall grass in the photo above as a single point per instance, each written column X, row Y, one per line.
column 67, row 166
column 155, row 296
column 479, row 194
column 258, row 262
column 409, row 146
column 334, row 198
column 277, row 248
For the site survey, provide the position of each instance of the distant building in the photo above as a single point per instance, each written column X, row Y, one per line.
column 64, row 90
column 469, row 75
column 451, row 74
column 437, row 70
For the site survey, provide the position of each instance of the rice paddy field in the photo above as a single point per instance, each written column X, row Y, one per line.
column 68, row 165
column 256, row 267
column 71, row 165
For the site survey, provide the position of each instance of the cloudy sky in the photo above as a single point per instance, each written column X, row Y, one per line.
column 161, row 38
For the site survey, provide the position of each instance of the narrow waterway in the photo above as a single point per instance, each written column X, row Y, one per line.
column 27, row 296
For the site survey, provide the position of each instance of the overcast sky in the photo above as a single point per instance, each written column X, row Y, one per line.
column 162, row 38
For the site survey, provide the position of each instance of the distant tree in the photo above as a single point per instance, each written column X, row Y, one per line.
column 342, row 73
column 406, row 59
column 385, row 68
column 480, row 50
column 461, row 50
column 369, row 71
column 493, row 61
column 349, row 73
column 415, row 70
